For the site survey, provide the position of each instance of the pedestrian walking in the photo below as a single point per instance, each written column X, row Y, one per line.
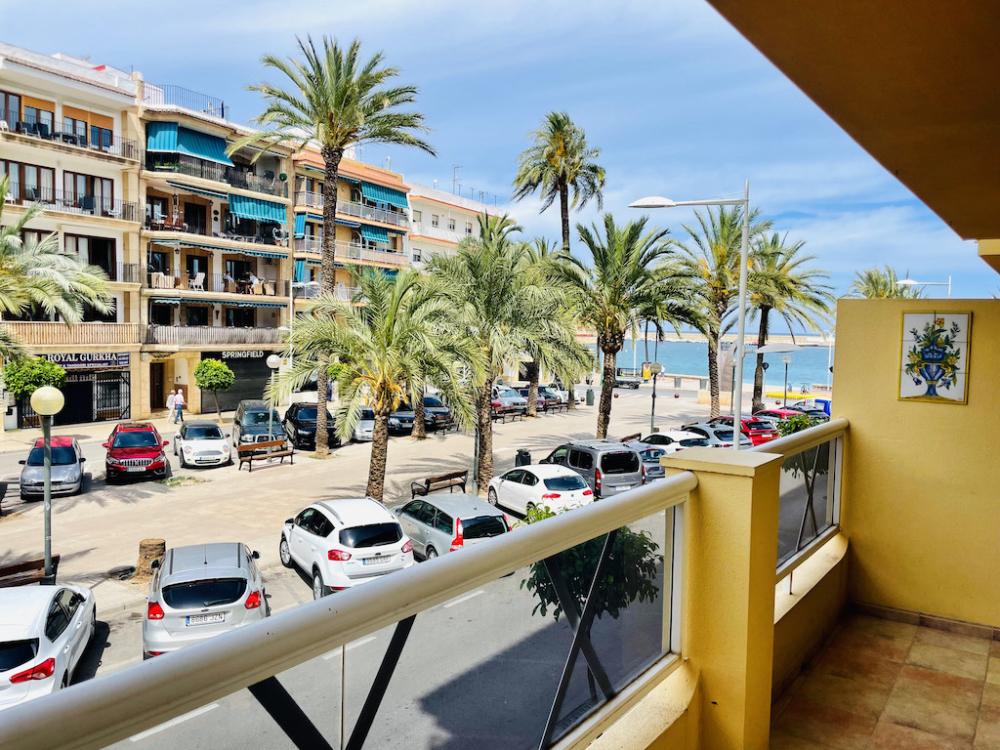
column 179, row 406
column 170, row 403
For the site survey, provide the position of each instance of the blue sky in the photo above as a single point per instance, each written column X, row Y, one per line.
column 680, row 104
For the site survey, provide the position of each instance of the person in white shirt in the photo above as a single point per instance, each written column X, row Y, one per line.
column 179, row 406
column 170, row 403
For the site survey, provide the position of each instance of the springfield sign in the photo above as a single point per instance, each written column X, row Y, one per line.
column 243, row 355
column 88, row 361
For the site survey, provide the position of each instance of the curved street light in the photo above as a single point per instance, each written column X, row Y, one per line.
column 47, row 402
column 913, row 282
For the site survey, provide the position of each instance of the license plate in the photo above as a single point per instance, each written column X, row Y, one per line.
column 205, row 619
column 135, row 468
column 374, row 560
column 623, row 487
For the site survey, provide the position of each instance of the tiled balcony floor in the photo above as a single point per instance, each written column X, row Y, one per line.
column 886, row 685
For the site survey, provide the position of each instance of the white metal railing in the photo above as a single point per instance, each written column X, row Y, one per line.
column 348, row 251
column 353, row 208
column 121, row 704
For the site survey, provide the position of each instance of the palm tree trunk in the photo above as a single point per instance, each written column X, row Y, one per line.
column 380, row 450
column 331, row 160
column 758, row 376
column 607, row 392
column 564, row 213
column 645, row 342
column 533, row 388
column 485, row 468
column 571, row 392
column 419, row 427
column 713, row 372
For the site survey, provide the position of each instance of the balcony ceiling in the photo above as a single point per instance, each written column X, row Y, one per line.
column 914, row 82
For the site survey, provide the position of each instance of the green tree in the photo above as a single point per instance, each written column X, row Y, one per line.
column 631, row 274
column 712, row 257
column 793, row 292
column 879, row 283
column 214, row 375
column 39, row 275
column 25, row 375
column 378, row 349
column 337, row 100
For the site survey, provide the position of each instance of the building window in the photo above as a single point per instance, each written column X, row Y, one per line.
column 416, row 256
column 10, row 109
column 31, row 237
column 417, row 216
column 451, row 225
column 197, row 316
column 468, row 227
column 88, row 192
column 434, row 220
column 36, row 116
column 100, row 138
column 241, row 317
column 75, row 127
column 92, row 315
column 161, row 315
column 197, row 264
column 98, row 251
column 28, row 182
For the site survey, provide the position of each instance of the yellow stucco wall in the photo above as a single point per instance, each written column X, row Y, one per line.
column 921, row 484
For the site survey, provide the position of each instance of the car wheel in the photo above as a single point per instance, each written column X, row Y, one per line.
column 491, row 496
column 64, row 683
column 529, row 507
column 180, row 460
column 431, row 553
column 284, row 553
column 93, row 626
column 319, row 590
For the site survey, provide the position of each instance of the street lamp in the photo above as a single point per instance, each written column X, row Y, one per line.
column 47, row 402
column 655, row 368
column 784, row 400
column 911, row 282
column 659, row 202
column 273, row 362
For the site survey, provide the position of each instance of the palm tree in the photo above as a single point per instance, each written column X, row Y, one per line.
column 713, row 260
column 338, row 101
column 39, row 275
column 630, row 276
column 503, row 307
column 403, row 332
column 783, row 286
column 876, row 283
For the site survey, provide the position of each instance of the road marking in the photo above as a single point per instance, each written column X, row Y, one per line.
column 351, row 646
column 465, row 598
column 174, row 722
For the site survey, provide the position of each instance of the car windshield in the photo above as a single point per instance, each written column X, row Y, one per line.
column 137, row 439
column 507, row 393
column 261, row 417
column 62, row 455
column 565, row 484
column 431, row 401
column 657, row 440
column 367, row 414
column 724, row 434
column 373, row 535
column 308, row 414
column 15, row 653
column 695, row 443
column 650, row 455
column 204, row 432
column 620, row 463
column 483, row 527
column 197, row 594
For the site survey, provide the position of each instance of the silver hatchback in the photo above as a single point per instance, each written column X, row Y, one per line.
column 447, row 523
column 199, row 592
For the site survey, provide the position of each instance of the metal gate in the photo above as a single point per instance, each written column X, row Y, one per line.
column 98, row 396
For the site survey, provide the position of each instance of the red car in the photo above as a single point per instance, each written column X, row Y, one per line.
column 135, row 448
column 758, row 430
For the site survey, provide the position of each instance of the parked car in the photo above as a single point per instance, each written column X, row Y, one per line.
column 608, row 467
column 44, row 632
column 539, row 402
column 344, row 543
column 675, row 440
column 563, row 393
column 135, row 448
column 201, row 591
column 440, row 524
column 498, row 409
column 546, row 399
column 437, row 414
column 628, row 381
column 814, row 410
column 201, row 443
column 255, row 422
column 510, row 399
column 552, row 396
column 67, row 469
column 718, row 436
column 776, row 415
column 299, row 425
column 650, row 455
column 401, row 420
column 758, row 430
column 365, row 430
column 557, row 487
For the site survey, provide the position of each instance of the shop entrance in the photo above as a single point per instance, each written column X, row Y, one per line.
column 157, row 378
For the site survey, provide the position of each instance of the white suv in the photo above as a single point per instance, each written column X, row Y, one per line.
column 344, row 543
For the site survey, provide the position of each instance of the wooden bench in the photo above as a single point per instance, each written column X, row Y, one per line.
column 250, row 452
column 502, row 415
column 24, row 573
column 452, row 480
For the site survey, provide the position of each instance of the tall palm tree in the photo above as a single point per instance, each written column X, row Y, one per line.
column 876, row 283
column 785, row 287
column 630, row 275
column 337, row 100
column 712, row 257
column 503, row 307
column 40, row 275
column 402, row 332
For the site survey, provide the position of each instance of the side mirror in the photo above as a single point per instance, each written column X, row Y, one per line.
column 155, row 565
column 82, row 459
column 398, row 511
column 256, row 555
column 228, row 435
column 166, row 443
column 22, row 461
column 104, row 445
column 289, row 521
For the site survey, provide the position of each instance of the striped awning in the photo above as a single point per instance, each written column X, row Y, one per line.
column 257, row 209
column 173, row 138
column 199, row 190
column 263, row 254
column 381, row 194
column 166, row 300
column 317, row 170
column 282, row 253
column 375, row 234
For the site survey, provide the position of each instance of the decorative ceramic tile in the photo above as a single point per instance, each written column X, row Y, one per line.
column 934, row 359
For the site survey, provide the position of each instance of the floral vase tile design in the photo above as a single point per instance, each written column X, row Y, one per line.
column 935, row 357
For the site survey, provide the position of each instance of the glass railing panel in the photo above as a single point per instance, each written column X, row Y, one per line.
column 806, row 507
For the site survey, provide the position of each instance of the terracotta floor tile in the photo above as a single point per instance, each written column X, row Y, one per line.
column 822, row 724
column 784, row 741
column 993, row 671
column 873, row 645
column 886, row 628
column 953, row 640
column 854, row 695
column 935, row 702
column 960, row 663
column 991, row 695
column 995, row 648
column 847, row 662
column 988, row 731
column 889, row 736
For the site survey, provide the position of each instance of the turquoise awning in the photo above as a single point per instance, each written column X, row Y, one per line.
column 161, row 136
column 375, row 234
column 262, row 254
column 257, row 209
column 172, row 138
column 300, row 271
column 381, row 194
column 300, row 225
column 317, row 170
column 198, row 190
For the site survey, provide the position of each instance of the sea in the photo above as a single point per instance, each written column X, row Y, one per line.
column 809, row 365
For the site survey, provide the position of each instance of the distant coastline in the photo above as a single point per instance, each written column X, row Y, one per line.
column 805, row 339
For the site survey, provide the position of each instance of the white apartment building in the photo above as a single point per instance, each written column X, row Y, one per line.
column 439, row 220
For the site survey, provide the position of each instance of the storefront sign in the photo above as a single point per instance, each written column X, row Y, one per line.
column 87, row 361
column 243, row 355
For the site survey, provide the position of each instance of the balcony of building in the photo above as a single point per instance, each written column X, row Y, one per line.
column 36, row 334
column 71, row 202
column 211, row 336
column 158, row 96
column 192, row 269
column 384, row 213
column 352, row 252
column 73, row 136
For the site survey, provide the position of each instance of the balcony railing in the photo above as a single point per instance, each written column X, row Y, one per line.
column 175, row 96
column 126, row 273
column 351, row 251
column 56, row 200
column 577, row 670
column 210, row 170
column 101, row 141
column 60, row 334
column 211, row 335
column 256, row 233
column 350, row 208
column 312, row 292
column 218, row 283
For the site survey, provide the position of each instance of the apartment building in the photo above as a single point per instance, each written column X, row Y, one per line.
column 440, row 220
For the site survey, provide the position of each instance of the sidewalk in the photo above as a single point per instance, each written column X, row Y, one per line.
column 20, row 441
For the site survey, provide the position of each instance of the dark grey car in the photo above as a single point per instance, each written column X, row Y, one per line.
column 608, row 467
column 252, row 425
